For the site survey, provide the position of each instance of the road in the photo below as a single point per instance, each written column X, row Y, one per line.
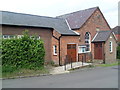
column 99, row 77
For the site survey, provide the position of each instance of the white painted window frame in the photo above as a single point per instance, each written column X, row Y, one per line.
column 111, row 46
column 89, row 42
column 55, row 50
column 8, row 36
column 19, row 36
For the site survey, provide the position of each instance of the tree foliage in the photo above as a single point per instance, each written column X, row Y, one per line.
column 118, row 51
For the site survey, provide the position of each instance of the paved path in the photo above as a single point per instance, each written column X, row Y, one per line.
column 66, row 68
column 103, row 77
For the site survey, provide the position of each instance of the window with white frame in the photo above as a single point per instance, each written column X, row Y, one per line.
column 35, row 37
column 55, row 50
column 19, row 36
column 87, row 41
column 110, row 46
column 81, row 49
column 8, row 36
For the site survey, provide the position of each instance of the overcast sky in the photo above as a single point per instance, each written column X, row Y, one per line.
column 54, row 8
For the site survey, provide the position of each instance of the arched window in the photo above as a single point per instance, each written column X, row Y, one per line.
column 87, row 41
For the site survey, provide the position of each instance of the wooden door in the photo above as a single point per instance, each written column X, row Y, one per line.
column 98, row 51
column 71, row 51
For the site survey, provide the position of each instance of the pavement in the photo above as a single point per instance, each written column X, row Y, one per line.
column 68, row 67
column 55, row 70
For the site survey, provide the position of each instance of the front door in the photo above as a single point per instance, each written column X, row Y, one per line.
column 98, row 51
column 71, row 51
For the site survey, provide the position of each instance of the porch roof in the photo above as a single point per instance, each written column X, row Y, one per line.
column 102, row 36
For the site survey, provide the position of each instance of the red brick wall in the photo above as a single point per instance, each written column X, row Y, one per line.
column 63, row 43
column 95, row 21
column 55, row 41
column 85, row 57
column 110, row 57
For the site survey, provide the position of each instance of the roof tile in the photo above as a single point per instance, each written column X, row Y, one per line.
column 60, row 25
column 102, row 36
column 77, row 19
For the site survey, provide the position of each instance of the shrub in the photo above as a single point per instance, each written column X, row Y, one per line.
column 24, row 52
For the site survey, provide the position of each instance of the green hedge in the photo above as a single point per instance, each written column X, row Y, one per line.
column 24, row 52
column 118, row 51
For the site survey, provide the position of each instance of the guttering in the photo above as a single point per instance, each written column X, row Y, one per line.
column 34, row 26
column 59, row 50
column 69, row 35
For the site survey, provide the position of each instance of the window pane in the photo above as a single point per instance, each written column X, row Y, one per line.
column 11, row 36
column 73, row 46
column 5, row 36
column 110, row 46
column 87, row 47
column 87, row 41
column 55, row 49
column 68, row 46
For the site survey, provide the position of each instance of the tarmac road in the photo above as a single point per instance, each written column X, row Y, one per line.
column 100, row 77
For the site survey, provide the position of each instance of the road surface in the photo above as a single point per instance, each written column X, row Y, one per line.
column 99, row 77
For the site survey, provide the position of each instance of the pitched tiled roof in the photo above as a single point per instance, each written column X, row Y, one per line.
column 77, row 19
column 60, row 25
column 116, row 30
column 102, row 36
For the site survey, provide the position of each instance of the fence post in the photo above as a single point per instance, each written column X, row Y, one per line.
column 65, row 62
column 78, row 58
column 82, row 60
column 71, row 62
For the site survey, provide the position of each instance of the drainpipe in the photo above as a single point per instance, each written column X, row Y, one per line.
column 59, row 50
column 103, row 52
column 59, row 47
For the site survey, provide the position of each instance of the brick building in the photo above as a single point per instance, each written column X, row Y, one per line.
column 116, row 31
column 72, row 35
column 53, row 31
column 88, row 23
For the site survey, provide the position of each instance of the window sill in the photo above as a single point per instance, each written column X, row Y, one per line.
column 111, row 52
column 88, row 51
column 82, row 53
column 54, row 54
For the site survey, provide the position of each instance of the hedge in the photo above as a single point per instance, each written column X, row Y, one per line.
column 24, row 52
column 118, row 51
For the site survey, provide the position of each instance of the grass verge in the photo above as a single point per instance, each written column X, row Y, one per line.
column 108, row 65
column 26, row 72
